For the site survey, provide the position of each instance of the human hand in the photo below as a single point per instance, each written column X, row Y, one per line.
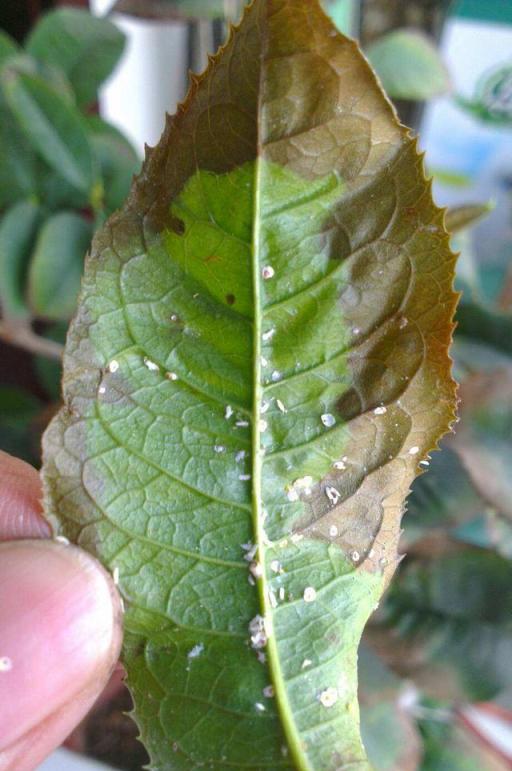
column 60, row 628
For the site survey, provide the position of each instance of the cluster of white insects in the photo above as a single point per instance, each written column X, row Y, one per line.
column 260, row 628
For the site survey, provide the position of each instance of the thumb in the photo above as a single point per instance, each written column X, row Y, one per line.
column 59, row 640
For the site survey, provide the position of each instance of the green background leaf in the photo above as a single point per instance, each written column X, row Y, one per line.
column 444, row 498
column 18, row 229
column 491, row 102
column 18, row 162
column 52, row 127
column 49, row 371
column 409, row 65
column 460, row 217
column 450, row 746
column 445, row 604
column 480, row 325
column 172, row 9
column 18, row 409
column 117, row 160
column 389, row 733
column 8, row 47
column 22, row 63
column 85, row 48
column 57, row 264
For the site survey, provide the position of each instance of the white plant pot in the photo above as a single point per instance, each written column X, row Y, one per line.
column 150, row 78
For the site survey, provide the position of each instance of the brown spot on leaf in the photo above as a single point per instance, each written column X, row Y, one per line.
column 177, row 226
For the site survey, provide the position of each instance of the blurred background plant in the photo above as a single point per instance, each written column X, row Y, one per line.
column 63, row 170
column 435, row 664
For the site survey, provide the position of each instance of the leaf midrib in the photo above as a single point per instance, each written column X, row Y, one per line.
column 274, row 664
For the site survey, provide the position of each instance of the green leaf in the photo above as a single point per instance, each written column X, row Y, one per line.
column 461, row 217
column 446, row 605
column 22, row 173
column 468, row 277
column 409, row 65
column 57, row 193
column 489, row 531
column 49, row 371
column 51, row 125
column 57, row 264
column 8, row 46
column 485, row 327
column 85, row 48
column 18, row 229
column 492, row 102
column 260, row 356
column 451, row 178
column 53, row 77
column 442, row 499
column 117, row 160
column 174, row 9
column 18, row 409
column 339, row 10
column 389, row 734
column 451, row 746
column 449, row 501
column 17, row 160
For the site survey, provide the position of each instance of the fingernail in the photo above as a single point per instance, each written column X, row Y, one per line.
column 20, row 501
column 59, row 631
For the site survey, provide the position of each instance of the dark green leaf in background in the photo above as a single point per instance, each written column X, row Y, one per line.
column 449, row 745
column 17, row 160
column 481, row 326
column 52, row 76
column 85, row 48
column 57, row 193
column 117, row 161
column 18, row 228
column 389, row 733
column 18, row 409
column 57, row 264
column 443, row 498
column 445, row 603
column 258, row 364
column 52, row 126
column 8, row 47
column 488, row 531
column 49, row 371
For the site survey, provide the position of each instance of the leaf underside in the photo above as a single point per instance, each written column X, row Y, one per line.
column 258, row 364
